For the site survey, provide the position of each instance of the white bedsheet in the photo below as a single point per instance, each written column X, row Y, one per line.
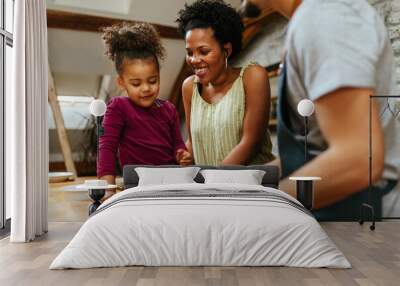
column 200, row 231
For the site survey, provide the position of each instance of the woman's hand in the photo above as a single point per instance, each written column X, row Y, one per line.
column 184, row 157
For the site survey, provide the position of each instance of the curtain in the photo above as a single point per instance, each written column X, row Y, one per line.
column 26, row 123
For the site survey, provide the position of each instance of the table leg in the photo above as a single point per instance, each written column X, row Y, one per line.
column 305, row 194
column 96, row 195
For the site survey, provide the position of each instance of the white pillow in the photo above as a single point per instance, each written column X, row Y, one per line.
column 248, row 177
column 163, row 176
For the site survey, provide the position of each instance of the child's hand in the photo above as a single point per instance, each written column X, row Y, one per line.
column 109, row 193
column 184, row 157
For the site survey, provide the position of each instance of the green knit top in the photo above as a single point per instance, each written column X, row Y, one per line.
column 217, row 128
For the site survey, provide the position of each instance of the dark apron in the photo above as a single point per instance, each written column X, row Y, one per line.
column 291, row 152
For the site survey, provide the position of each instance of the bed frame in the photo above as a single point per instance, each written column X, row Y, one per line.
column 131, row 178
column 270, row 179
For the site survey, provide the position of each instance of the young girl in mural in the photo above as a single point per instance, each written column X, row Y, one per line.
column 139, row 127
column 227, row 108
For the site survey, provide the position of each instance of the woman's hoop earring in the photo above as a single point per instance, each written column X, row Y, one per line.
column 226, row 62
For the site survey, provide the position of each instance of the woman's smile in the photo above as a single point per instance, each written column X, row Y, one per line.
column 200, row 71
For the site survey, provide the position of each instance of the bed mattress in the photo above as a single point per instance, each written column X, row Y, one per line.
column 201, row 225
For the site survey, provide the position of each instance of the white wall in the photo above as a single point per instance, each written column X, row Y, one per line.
column 69, row 84
column 154, row 11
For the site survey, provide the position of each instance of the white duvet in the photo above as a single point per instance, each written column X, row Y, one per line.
column 207, row 230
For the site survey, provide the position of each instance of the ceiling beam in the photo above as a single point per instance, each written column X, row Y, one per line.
column 252, row 26
column 175, row 95
column 90, row 23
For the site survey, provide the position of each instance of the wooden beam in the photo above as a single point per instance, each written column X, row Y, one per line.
column 176, row 93
column 90, row 23
column 104, row 87
column 60, row 127
column 252, row 26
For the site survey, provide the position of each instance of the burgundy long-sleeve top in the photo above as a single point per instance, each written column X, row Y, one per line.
column 148, row 136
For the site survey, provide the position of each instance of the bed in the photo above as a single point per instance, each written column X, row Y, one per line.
column 201, row 224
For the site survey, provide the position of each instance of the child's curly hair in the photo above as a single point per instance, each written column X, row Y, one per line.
column 221, row 17
column 132, row 41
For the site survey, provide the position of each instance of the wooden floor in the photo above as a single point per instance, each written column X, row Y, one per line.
column 66, row 205
column 374, row 255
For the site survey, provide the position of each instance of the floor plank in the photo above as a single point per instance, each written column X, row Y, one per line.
column 375, row 257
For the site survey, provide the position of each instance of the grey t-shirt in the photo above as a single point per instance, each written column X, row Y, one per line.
column 341, row 43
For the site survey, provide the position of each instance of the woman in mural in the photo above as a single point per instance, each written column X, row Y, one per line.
column 227, row 108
